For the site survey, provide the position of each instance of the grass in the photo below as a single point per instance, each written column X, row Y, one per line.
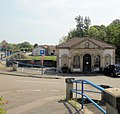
column 74, row 103
column 39, row 58
column 2, row 111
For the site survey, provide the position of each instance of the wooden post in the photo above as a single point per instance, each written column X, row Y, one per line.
column 69, row 86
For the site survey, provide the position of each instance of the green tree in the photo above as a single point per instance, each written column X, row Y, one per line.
column 93, row 32
column 13, row 47
column 87, row 23
column 82, row 27
column 63, row 39
column 26, row 46
column 35, row 45
column 113, row 34
column 98, row 32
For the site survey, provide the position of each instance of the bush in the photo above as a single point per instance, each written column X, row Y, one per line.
column 2, row 111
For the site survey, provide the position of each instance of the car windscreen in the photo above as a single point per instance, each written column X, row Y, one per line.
column 117, row 67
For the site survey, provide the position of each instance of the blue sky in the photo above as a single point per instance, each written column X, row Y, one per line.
column 47, row 21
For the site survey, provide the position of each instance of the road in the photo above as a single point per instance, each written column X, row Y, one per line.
column 22, row 91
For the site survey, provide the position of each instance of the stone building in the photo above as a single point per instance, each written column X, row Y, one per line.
column 85, row 54
column 50, row 50
column 36, row 51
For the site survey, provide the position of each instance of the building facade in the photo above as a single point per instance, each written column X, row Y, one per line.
column 49, row 50
column 85, row 54
column 37, row 51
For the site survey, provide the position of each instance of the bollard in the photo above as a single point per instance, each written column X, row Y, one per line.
column 69, row 86
column 15, row 65
column 112, row 98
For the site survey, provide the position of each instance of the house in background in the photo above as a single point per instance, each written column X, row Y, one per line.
column 3, row 49
column 3, row 46
column 37, row 51
column 49, row 50
column 84, row 54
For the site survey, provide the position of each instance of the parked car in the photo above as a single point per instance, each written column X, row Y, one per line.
column 112, row 70
column 53, row 71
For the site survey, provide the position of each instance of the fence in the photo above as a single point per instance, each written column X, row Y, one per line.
column 111, row 96
column 81, row 92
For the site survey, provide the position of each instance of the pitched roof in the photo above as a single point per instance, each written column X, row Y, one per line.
column 3, row 43
column 51, row 47
column 77, row 40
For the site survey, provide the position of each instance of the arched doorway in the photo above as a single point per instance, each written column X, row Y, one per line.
column 87, row 63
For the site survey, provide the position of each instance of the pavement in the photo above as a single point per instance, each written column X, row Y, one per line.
column 27, row 73
column 49, row 105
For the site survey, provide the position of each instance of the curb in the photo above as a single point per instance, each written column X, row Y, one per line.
column 30, row 75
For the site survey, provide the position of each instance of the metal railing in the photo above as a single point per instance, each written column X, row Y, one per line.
column 81, row 92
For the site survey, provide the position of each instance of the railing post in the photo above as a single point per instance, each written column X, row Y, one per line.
column 112, row 98
column 76, row 89
column 82, row 88
column 69, row 86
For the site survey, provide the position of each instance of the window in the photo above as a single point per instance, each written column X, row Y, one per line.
column 76, row 61
column 97, row 61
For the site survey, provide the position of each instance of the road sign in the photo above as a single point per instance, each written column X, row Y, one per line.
column 42, row 52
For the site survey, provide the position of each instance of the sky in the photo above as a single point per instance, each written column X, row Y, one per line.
column 47, row 21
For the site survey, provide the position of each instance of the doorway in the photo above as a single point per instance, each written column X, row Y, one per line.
column 87, row 63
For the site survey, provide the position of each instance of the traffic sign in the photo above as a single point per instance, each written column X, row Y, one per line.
column 42, row 52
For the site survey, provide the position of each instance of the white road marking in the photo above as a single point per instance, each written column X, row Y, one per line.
column 36, row 90
column 36, row 82
column 29, row 90
column 54, row 90
column 5, row 92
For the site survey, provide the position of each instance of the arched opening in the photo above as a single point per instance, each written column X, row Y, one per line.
column 76, row 61
column 65, row 63
column 87, row 63
column 64, row 60
column 97, row 61
column 107, row 59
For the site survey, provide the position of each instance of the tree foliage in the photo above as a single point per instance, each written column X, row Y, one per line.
column 63, row 39
column 113, row 35
column 109, row 34
column 25, row 45
column 13, row 47
column 81, row 29
column 35, row 45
